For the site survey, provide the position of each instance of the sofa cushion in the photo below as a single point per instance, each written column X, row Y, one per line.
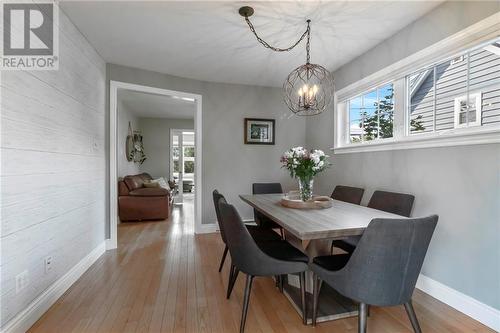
column 122, row 188
column 133, row 182
column 149, row 192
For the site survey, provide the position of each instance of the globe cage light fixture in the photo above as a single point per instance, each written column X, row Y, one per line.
column 308, row 89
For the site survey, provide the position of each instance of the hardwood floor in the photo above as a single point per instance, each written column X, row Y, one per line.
column 163, row 278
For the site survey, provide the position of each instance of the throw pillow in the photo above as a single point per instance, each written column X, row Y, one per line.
column 151, row 184
column 161, row 181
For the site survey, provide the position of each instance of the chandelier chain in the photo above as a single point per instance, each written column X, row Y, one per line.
column 278, row 49
column 308, row 42
column 308, row 89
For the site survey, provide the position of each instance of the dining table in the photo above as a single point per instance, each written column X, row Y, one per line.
column 312, row 231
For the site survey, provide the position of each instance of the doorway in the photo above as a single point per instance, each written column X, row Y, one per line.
column 182, row 163
column 115, row 87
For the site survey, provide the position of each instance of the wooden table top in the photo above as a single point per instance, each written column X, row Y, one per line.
column 341, row 220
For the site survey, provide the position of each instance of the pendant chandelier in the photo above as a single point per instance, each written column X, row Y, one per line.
column 308, row 89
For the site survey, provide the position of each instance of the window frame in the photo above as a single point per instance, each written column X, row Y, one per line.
column 479, row 110
column 361, row 95
column 448, row 49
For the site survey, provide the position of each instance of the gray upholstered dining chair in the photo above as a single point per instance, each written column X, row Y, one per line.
column 262, row 220
column 247, row 257
column 215, row 196
column 391, row 202
column 382, row 270
column 348, row 194
column 261, row 236
column 257, row 233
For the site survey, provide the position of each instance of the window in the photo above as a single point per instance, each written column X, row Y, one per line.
column 189, row 151
column 183, row 149
column 453, row 101
column 468, row 110
column 371, row 115
column 188, row 167
column 449, row 95
column 188, row 159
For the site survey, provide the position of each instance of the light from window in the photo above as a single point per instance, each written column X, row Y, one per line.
column 371, row 115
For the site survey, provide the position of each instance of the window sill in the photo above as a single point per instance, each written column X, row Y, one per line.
column 472, row 137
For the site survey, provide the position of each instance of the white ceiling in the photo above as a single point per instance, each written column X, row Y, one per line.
column 145, row 105
column 210, row 41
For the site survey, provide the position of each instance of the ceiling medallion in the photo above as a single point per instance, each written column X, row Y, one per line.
column 308, row 89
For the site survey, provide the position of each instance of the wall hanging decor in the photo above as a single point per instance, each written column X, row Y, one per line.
column 134, row 147
column 259, row 131
column 308, row 89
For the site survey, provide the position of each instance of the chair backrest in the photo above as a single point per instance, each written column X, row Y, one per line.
column 264, row 188
column 348, row 194
column 245, row 254
column 385, row 265
column 392, row 202
column 216, row 197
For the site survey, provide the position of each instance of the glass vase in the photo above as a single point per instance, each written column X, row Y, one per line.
column 306, row 188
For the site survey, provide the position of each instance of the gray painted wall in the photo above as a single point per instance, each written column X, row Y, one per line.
column 156, row 138
column 53, row 168
column 228, row 164
column 461, row 184
column 125, row 115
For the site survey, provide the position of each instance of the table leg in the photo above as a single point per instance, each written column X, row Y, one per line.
column 331, row 305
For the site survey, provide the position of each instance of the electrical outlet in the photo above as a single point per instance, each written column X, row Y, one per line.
column 48, row 264
column 22, row 280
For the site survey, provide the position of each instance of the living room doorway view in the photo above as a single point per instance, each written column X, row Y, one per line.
column 155, row 157
column 182, row 164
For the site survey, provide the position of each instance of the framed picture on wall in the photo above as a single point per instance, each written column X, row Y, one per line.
column 259, row 131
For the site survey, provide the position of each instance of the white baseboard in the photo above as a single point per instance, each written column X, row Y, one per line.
column 207, row 228
column 111, row 244
column 481, row 312
column 26, row 318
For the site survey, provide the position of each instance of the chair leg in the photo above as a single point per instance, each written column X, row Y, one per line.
column 231, row 272
column 223, row 258
column 316, row 289
column 246, row 300
column 302, row 278
column 362, row 318
column 230, row 286
column 282, row 234
column 413, row 317
column 281, row 283
column 229, row 281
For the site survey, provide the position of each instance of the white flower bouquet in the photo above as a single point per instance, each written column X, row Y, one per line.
column 304, row 165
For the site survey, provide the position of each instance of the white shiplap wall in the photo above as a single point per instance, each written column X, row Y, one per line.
column 53, row 168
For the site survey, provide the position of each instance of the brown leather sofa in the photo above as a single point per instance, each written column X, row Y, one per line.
column 138, row 203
